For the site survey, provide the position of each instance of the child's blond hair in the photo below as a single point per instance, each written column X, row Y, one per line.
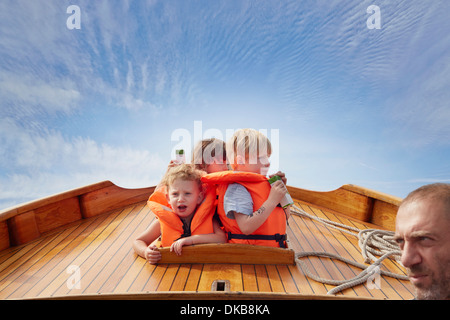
column 248, row 143
column 186, row 172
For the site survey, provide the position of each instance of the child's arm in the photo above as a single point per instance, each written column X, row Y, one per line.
column 250, row 223
column 217, row 237
column 143, row 246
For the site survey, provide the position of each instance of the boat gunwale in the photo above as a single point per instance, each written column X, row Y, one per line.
column 26, row 222
column 10, row 212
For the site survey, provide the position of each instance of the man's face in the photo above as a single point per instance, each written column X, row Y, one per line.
column 423, row 234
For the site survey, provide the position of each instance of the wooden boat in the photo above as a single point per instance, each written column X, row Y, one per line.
column 77, row 245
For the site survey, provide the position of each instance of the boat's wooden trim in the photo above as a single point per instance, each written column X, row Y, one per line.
column 13, row 211
column 357, row 202
column 229, row 253
column 26, row 222
column 199, row 295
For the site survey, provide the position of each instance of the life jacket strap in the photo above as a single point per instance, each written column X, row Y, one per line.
column 280, row 238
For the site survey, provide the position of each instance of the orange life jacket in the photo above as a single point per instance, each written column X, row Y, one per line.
column 172, row 226
column 272, row 232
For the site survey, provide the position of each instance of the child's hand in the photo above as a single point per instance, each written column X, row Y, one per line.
column 281, row 175
column 277, row 191
column 152, row 254
column 178, row 245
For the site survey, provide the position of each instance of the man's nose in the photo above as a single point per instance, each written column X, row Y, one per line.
column 410, row 255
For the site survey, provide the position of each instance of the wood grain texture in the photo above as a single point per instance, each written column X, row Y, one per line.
column 101, row 247
column 229, row 253
column 92, row 229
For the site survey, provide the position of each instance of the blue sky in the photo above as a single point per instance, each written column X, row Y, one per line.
column 343, row 103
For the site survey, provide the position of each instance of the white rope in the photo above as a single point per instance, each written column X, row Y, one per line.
column 372, row 242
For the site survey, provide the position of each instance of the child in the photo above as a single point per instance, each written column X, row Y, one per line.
column 248, row 205
column 189, row 220
column 209, row 155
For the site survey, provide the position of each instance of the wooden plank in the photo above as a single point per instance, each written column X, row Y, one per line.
column 10, row 212
column 287, row 280
column 262, row 278
column 341, row 200
column 358, row 202
column 181, row 277
column 111, row 198
column 169, row 277
column 61, row 209
column 384, row 215
column 189, row 295
column 299, row 243
column 194, row 277
column 229, row 253
column 57, row 214
column 140, row 272
column 249, row 278
column 100, row 265
column 12, row 277
column 23, row 228
column 274, row 278
column 304, row 228
column 302, row 283
column 4, row 235
column 122, row 261
column 78, row 255
column 144, row 272
column 382, row 197
column 128, row 277
column 43, row 274
column 154, row 281
column 39, row 262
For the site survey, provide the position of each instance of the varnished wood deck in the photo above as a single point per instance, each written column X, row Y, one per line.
column 101, row 248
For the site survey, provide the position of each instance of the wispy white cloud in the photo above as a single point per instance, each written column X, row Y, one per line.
column 310, row 68
column 32, row 95
column 42, row 163
column 422, row 114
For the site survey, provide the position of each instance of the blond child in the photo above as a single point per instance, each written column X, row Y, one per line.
column 248, row 205
column 188, row 221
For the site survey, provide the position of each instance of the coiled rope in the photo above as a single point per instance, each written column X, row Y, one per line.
column 372, row 242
